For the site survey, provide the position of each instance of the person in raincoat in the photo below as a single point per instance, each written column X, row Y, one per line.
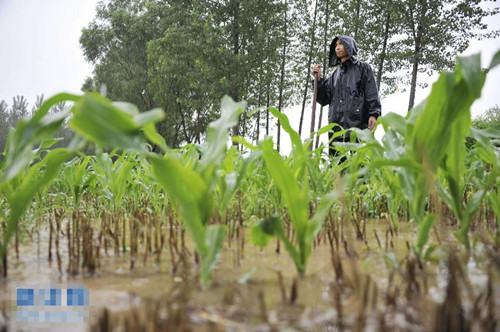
column 350, row 91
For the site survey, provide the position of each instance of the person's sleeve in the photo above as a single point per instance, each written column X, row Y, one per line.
column 324, row 95
column 371, row 94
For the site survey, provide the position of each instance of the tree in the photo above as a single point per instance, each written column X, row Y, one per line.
column 115, row 43
column 184, row 56
column 489, row 119
column 252, row 32
column 18, row 110
column 4, row 126
column 437, row 31
column 310, row 54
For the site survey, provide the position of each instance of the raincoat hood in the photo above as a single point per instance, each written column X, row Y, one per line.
column 350, row 47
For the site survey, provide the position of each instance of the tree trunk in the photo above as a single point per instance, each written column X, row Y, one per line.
column 417, row 35
column 236, row 50
column 416, row 58
column 384, row 48
column 282, row 79
column 309, row 65
column 325, row 62
column 198, row 134
column 258, row 113
column 268, row 103
column 183, row 119
column 356, row 26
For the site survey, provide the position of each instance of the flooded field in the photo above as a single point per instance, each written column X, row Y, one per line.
column 355, row 285
column 224, row 237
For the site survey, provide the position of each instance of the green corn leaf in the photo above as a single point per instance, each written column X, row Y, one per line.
column 445, row 196
column 255, row 110
column 273, row 227
column 229, row 185
column 294, row 197
column 424, row 230
column 217, row 136
column 473, row 205
column 100, row 121
column 466, row 216
column 126, row 107
column 215, row 235
column 472, row 73
column 337, row 134
column 390, row 260
column 149, row 117
column 244, row 278
column 122, row 169
column 326, row 129
column 322, row 211
column 494, row 199
column 428, row 252
column 54, row 100
column 394, row 121
column 188, row 189
column 27, row 133
column 259, row 236
column 495, row 61
column 48, row 143
column 37, row 178
column 151, row 133
column 233, row 181
column 405, row 164
column 294, row 136
column 244, row 142
column 462, row 234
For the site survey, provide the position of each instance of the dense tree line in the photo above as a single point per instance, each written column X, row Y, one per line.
column 184, row 55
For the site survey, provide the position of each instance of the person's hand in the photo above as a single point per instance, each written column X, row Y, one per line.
column 371, row 122
column 316, row 69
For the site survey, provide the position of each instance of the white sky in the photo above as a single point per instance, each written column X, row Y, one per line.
column 39, row 47
column 40, row 53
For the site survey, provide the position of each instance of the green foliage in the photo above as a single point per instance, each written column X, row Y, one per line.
column 93, row 115
column 423, row 235
column 437, row 31
column 75, row 177
column 431, row 142
column 22, row 176
column 192, row 188
column 420, row 156
column 293, row 186
column 489, row 119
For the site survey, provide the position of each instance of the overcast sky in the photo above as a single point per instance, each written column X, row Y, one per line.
column 40, row 53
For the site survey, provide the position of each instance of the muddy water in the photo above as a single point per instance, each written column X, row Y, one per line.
column 246, row 293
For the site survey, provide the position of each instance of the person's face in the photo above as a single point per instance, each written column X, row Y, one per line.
column 340, row 49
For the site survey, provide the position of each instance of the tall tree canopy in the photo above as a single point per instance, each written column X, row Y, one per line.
column 437, row 30
column 185, row 55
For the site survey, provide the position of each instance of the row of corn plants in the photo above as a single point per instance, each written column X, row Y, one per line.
column 215, row 191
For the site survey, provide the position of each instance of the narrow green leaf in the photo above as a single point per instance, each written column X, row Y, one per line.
column 38, row 177
column 99, row 121
column 215, row 235
column 393, row 121
column 294, row 197
column 217, row 135
column 259, row 237
column 255, row 110
column 188, row 189
column 244, row 278
column 149, row 117
column 424, row 231
column 495, row 61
